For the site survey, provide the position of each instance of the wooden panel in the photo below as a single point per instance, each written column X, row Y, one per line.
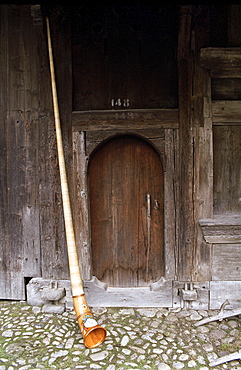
column 122, row 173
column 220, row 291
column 5, row 289
column 226, row 112
column 223, row 62
column 125, row 119
column 124, row 52
column 227, row 169
column 203, row 169
column 226, row 262
column 234, row 37
column 30, row 203
column 128, row 297
column 21, row 205
column 226, row 89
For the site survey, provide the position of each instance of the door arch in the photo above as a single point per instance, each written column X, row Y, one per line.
column 126, row 190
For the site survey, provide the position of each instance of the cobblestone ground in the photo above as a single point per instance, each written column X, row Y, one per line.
column 159, row 339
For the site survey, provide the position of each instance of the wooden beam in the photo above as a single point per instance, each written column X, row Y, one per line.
column 196, row 155
column 223, row 62
column 226, row 112
column 185, row 87
column 226, row 229
column 123, row 119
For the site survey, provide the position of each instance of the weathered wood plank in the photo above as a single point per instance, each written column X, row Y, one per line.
column 171, row 205
column 16, row 151
column 221, row 175
column 185, row 72
column 220, row 291
column 226, row 261
column 226, row 112
column 222, row 220
column 226, row 88
column 128, row 297
column 203, row 167
column 5, row 275
column 81, row 204
column 123, row 119
column 223, row 229
column 21, row 131
column 195, row 147
column 227, row 168
column 223, row 62
column 31, row 240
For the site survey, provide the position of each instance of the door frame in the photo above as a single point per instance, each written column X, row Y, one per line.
column 166, row 142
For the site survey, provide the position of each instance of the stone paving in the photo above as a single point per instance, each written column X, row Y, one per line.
column 159, row 338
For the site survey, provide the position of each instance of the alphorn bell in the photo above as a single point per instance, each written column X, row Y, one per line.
column 93, row 334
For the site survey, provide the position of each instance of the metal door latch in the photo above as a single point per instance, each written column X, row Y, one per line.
column 156, row 204
column 188, row 293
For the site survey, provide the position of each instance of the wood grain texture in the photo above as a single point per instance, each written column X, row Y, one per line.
column 226, row 112
column 122, row 173
column 223, row 62
column 222, row 229
column 226, row 261
column 19, row 135
column 222, row 290
column 186, row 221
column 125, row 119
column 227, row 169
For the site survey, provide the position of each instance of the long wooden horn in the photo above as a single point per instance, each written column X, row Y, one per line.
column 93, row 334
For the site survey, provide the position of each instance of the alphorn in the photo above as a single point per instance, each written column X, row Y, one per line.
column 93, row 334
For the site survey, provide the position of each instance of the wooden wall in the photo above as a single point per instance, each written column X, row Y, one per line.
column 126, row 54
column 199, row 131
column 32, row 235
column 223, row 231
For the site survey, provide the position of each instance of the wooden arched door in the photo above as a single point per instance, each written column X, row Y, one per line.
column 126, row 211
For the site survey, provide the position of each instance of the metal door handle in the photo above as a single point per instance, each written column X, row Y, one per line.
column 148, row 196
